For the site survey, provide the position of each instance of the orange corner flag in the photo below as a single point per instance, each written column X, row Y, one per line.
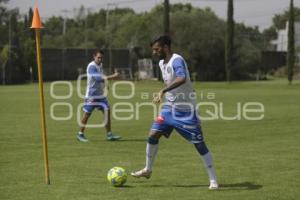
column 36, row 20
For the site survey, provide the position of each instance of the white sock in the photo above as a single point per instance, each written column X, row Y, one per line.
column 207, row 158
column 80, row 133
column 151, row 151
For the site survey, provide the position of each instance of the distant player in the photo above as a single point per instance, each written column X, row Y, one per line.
column 95, row 98
column 178, row 112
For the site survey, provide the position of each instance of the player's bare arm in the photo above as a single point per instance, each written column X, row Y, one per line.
column 176, row 83
column 113, row 76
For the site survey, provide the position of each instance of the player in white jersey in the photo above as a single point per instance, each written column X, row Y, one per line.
column 95, row 97
column 178, row 112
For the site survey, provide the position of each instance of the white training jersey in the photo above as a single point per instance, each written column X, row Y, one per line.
column 95, row 82
column 183, row 97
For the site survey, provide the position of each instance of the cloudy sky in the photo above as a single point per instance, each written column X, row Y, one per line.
column 251, row 12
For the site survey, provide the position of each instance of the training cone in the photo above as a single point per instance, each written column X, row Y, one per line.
column 36, row 20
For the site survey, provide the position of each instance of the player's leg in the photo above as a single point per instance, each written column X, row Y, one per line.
column 208, row 162
column 187, row 124
column 84, row 121
column 80, row 136
column 108, row 122
column 109, row 134
column 104, row 107
column 195, row 136
column 159, row 128
column 151, row 151
column 87, row 111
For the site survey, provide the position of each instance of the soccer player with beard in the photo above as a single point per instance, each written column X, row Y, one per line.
column 178, row 111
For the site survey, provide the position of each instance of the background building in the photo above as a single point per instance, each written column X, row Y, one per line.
column 281, row 43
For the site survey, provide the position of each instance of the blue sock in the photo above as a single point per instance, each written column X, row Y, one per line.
column 201, row 148
column 152, row 140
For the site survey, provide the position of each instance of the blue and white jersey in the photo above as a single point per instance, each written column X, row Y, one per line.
column 182, row 98
column 95, row 81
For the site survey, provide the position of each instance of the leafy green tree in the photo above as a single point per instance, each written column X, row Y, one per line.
column 96, row 20
column 279, row 20
column 268, row 35
column 54, row 26
column 291, row 43
column 247, row 61
column 5, row 55
column 249, row 43
column 198, row 34
column 28, row 47
column 229, row 44
column 166, row 17
column 4, row 20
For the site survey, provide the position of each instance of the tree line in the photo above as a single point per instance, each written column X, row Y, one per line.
column 198, row 34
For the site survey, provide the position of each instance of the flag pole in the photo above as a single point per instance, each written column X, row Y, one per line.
column 37, row 25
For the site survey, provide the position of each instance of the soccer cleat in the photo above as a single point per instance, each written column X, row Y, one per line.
column 141, row 173
column 82, row 138
column 111, row 137
column 213, row 185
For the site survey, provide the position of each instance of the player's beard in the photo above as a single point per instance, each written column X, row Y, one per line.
column 159, row 57
column 162, row 56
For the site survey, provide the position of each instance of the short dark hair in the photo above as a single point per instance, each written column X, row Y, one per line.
column 162, row 40
column 98, row 51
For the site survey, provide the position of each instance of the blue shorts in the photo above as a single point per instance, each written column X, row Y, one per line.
column 91, row 104
column 185, row 123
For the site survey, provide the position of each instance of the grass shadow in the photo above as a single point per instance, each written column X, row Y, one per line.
column 124, row 187
column 122, row 140
column 131, row 140
column 223, row 187
column 241, row 186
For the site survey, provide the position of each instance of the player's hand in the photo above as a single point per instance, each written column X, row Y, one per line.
column 104, row 77
column 116, row 74
column 158, row 98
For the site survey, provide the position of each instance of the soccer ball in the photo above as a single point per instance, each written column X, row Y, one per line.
column 117, row 176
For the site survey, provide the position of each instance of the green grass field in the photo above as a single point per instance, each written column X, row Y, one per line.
column 254, row 159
